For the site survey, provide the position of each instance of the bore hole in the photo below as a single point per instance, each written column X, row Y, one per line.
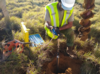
column 59, row 69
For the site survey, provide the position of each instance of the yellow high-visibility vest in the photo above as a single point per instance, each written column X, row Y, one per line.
column 54, row 16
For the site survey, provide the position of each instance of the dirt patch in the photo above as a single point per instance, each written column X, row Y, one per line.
column 67, row 65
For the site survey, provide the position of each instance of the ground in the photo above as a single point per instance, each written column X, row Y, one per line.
column 67, row 65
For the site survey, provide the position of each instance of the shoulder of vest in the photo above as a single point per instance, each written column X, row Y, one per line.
column 54, row 3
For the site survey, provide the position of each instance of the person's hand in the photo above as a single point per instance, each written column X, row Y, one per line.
column 51, row 27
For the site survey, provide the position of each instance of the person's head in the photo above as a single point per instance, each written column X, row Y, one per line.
column 66, row 4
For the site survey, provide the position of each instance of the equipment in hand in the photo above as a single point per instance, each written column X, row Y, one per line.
column 55, row 31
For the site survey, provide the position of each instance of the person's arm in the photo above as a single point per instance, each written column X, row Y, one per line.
column 70, row 23
column 67, row 26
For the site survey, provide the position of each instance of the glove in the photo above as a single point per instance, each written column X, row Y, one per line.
column 57, row 30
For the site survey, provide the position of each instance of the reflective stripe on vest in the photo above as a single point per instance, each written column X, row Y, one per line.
column 65, row 19
column 52, row 8
column 54, row 16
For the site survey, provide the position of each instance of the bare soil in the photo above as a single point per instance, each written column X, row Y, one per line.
column 67, row 65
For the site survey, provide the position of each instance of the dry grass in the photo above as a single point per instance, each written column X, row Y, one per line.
column 32, row 59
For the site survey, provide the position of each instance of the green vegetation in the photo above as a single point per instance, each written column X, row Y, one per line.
column 31, row 60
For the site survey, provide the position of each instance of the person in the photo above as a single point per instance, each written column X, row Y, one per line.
column 7, row 28
column 59, row 16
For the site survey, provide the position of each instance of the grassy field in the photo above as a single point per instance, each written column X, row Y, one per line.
column 31, row 60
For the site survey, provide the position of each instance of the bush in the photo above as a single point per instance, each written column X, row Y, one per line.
column 15, row 23
column 14, row 64
column 1, row 15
